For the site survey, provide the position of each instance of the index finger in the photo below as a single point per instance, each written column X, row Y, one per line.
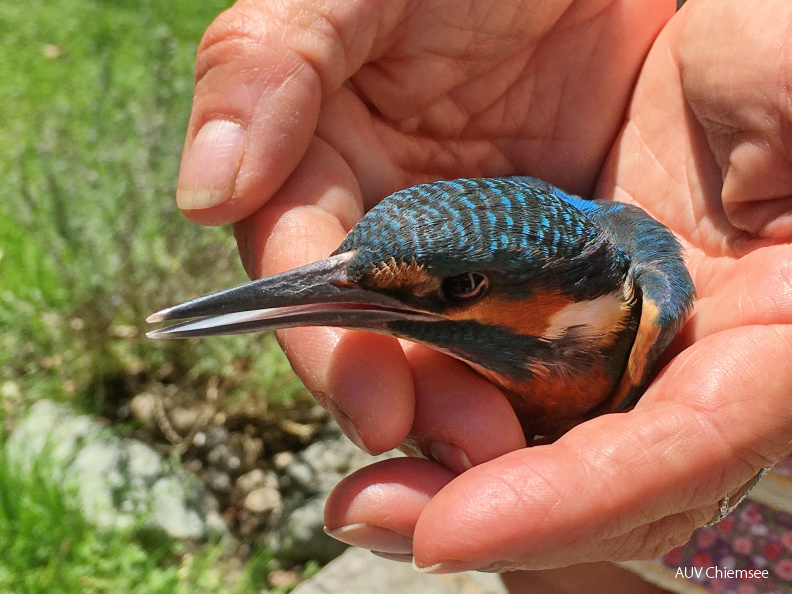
column 362, row 378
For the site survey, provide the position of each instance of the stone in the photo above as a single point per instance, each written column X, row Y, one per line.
column 263, row 500
column 224, row 458
column 199, row 440
column 282, row 460
column 144, row 407
column 304, row 537
column 302, row 475
column 50, row 429
column 184, row 419
column 309, row 477
column 215, row 436
column 357, row 571
column 118, row 482
column 251, row 480
column 218, row 481
column 169, row 512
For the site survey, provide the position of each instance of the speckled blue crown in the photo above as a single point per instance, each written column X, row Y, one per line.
column 511, row 226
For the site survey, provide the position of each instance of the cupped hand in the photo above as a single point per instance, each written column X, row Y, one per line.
column 306, row 115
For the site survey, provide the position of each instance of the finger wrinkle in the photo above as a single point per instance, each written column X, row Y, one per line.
column 658, row 450
column 654, row 540
column 750, row 429
column 233, row 33
column 320, row 44
column 544, row 499
column 673, row 531
column 338, row 38
column 256, row 46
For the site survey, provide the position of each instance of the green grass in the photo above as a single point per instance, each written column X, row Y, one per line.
column 46, row 545
column 94, row 99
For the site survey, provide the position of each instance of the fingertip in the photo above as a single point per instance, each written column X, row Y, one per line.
column 477, row 516
column 370, row 381
column 254, row 111
column 390, row 494
column 461, row 418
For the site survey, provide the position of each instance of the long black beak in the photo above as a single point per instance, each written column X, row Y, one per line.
column 319, row 294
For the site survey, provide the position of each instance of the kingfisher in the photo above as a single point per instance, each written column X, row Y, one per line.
column 564, row 303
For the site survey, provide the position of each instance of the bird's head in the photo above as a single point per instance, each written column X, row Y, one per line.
column 509, row 276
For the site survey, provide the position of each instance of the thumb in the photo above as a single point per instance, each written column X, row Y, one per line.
column 261, row 72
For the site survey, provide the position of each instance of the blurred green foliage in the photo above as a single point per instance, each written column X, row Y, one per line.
column 94, row 99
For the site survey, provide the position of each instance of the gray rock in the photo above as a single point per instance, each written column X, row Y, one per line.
column 359, row 572
column 303, row 537
column 218, row 481
column 118, row 482
column 47, row 430
column 172, row 511
column 306, row 482
column 303, row 477
column 224, row 458
column 214, row 436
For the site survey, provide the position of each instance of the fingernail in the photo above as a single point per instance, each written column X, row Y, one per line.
column 451, row 456
column 321, row 398
column 347, row 426
column 405, row 558
column 208, row 171
column 446, row 567
column 245, row 249
column 373, row 538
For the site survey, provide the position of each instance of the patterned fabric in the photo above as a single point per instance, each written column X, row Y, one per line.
column 756, row 536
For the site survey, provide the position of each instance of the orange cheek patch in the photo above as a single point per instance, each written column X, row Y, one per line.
column 529, row 317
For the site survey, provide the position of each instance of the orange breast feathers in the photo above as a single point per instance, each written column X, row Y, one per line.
column 560, row 393
column 551, row 404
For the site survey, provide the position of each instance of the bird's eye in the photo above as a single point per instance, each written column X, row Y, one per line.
column 464, row 288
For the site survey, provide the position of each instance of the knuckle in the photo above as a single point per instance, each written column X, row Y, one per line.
column 285, row 35
column 235, row 33
column 657, row 539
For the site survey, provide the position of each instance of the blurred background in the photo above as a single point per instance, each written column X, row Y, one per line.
column 94, row 101
column 133, row 465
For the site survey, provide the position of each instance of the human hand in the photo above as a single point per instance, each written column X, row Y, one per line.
column 363, row 99
column 705, row 149
column 484, row 108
